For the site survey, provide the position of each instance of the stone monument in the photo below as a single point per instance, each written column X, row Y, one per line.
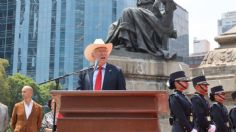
column 219, row 65
column 146, row 74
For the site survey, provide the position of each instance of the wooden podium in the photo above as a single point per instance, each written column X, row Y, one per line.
column 111, row 111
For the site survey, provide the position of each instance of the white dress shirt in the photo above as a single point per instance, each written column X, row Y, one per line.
column 96, row 73
column 28, row 108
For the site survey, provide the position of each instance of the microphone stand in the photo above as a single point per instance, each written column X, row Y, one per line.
column 54, row 126
column 57, row 81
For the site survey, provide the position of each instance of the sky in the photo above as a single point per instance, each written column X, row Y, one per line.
column 203, row 16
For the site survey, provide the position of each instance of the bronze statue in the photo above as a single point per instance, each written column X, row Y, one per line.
column 145, row 28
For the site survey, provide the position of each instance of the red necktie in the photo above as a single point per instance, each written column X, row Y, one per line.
column 98, row 83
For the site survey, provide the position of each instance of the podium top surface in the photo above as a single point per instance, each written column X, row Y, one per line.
column 114, row 101
column 108, row 93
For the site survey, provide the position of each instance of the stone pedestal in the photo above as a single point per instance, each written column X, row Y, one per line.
column 219, row 65
column 146, row 74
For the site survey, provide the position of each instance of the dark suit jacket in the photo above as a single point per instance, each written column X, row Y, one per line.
column 113, row 79
column 19, row 121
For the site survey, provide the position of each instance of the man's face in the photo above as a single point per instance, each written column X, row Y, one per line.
column 26, row 93
column 101, row 55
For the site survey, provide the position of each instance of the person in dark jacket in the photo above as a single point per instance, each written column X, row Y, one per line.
column 232, row 113
column 201, row 107
column 180, row 106
column 218, row 111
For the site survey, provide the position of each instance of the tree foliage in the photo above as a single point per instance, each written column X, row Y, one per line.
column 45, row 90
column 3, row 83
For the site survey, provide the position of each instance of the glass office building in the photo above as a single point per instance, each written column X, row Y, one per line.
column 227, row 21
column 45, row 39
column 181, row 25
column 50, row 35
column 7, row 27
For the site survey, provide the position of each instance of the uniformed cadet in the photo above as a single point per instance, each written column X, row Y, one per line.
column 232, row 113
column 218, row 112
column 180, row 106
column 201, row 107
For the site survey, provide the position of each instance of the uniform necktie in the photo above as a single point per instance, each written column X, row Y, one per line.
column 98, row 83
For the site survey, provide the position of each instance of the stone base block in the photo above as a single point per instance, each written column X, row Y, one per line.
column 147, row 74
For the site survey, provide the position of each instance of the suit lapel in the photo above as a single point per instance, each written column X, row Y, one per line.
column 106, row 76
column 91, row 79
column 23, row 108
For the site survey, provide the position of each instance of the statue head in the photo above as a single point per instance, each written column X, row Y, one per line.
column 144, row 2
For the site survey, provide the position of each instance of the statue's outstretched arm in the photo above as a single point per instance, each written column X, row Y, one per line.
column 170, row 6
column 156, row 9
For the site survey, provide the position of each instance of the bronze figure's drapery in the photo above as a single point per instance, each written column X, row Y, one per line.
column 145, row 28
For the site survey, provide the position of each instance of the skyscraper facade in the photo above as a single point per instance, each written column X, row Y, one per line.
column 201, row 46
column 180, row 45
column 7, row 27
column 227, row 21
column 200, row 49
column 50, row 35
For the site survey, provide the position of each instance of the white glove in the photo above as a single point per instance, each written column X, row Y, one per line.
column 212, row 128
column 194, row 130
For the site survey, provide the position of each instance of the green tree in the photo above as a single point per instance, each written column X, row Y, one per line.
column 3, row 83
column 16, row 82
column 45, row 90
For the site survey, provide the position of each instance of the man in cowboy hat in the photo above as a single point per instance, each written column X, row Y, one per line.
column 200, row 106
column 101, row 76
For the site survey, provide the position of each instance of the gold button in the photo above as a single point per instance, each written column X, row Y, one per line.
column 208, row 118
column 191, row 118
column 227, row 124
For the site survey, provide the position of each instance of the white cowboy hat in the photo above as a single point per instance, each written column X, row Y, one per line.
column 98, row 43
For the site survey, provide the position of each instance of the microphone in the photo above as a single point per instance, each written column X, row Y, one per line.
column 91, row 67
column 96, row 64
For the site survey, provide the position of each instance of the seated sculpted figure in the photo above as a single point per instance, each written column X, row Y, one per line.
column 145, row 28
